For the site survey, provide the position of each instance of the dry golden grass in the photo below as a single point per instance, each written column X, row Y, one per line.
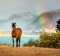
column 6, row 50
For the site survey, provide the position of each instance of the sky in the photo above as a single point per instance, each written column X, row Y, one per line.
column 24, row 12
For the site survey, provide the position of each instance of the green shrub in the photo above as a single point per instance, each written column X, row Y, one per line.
column 32, row 42
column 0, row 44
column 4, row 44
column 50, row 40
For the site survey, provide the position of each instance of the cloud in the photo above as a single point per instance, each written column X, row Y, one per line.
column 47, row 5
column 9, row 7
column 50, row 30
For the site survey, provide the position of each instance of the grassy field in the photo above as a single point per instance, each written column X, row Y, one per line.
column 7, row 50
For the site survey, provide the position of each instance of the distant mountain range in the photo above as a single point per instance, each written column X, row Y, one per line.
column 49, row 18
column 54, row 14
column 28, row 21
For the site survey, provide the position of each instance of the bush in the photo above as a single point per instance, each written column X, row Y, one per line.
column 4, row 44
column 50, row 40
column 32, row 42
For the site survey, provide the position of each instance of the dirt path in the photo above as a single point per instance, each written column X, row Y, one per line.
column 28, row 51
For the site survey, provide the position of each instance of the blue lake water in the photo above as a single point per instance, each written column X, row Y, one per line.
column 24, row 39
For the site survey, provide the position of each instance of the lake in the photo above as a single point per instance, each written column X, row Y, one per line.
column 24, row 39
